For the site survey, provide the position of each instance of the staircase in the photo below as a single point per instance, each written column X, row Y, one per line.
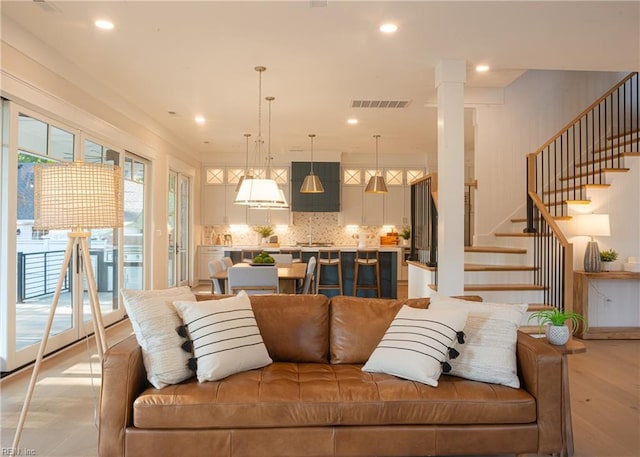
column 531, row 260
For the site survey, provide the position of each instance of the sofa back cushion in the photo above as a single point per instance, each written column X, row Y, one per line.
column 294, row 328
column 358, row 325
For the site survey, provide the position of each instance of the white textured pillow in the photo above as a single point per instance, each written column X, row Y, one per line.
column 417, row 343
column 489, row 352
column 225, row 336
column 154, row 320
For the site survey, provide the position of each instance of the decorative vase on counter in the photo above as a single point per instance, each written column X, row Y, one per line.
column 557, row 334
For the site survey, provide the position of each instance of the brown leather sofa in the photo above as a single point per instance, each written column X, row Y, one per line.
column 314, row 400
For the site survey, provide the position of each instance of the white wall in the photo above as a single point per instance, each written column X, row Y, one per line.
column 31, row 84
column 536, row 106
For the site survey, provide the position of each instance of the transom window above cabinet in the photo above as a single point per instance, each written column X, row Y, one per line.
column 352, row 176
column 232, row 175
column 392, row 176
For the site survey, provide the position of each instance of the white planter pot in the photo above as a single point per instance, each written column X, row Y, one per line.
column 557, row 334
column 608, row 266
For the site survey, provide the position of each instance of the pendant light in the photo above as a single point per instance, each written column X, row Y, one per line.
column 311, row 183
column 255, row 192
column 376, row 183
column 275, row 204
column 247, row 173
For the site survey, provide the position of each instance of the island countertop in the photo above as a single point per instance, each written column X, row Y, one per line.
column 343, row 248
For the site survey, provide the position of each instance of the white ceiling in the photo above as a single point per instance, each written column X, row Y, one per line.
column 199, row 58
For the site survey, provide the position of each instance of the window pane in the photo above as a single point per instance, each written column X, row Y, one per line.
column 40, row 254
column 61, row 144
column 32, row 134
column 92, row 152
column 134, row 227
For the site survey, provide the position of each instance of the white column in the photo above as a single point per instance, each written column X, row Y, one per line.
column 450, row 78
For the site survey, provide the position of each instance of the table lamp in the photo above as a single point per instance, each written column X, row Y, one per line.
column 75, row 196
column 592, row 225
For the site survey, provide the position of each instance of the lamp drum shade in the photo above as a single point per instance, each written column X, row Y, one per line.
column 260, row 193
column 77, row 195
column 593, row 225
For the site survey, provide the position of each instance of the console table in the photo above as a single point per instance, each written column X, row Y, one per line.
column 581, row 281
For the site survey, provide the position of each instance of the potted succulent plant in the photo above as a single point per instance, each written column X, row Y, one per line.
column 607, row 258
column 265, row 231
column 405, row 234
column 554, row 321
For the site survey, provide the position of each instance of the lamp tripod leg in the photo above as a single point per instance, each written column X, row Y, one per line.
column 94, row 301
column 43, row 344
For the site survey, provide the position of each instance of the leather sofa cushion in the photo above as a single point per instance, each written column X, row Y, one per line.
column 358, row 324
column 303, row 395
column 292, row 330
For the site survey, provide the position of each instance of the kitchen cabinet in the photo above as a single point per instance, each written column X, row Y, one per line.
column 329, row 200
column 218, row 207
column 205, row 255
column 397, row 206
column 361, row 208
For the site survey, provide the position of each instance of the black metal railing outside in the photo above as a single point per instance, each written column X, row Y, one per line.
column 38, row 274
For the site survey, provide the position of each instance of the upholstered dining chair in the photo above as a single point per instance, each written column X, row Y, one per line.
column 305, row 287
column 282, row 259
column 215, row 266
column 253, row 280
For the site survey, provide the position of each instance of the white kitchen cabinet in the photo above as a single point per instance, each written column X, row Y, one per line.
column 205, row 255
column 372, row 209
column 352, row 202
column 397, row 206
column 213, row 204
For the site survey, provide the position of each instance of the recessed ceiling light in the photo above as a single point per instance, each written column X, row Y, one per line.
column 104, row 24
column 352, row 121
column 388, row 28
column 199, row 119
column 482, row 68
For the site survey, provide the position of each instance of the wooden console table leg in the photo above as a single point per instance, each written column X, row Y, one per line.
column 567, row 424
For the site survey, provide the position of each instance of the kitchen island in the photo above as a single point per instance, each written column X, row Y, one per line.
column 389, row 265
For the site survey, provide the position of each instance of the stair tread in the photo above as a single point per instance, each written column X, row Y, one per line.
column 488, row 267
column 516, row 220
column 579, row 186
column 568, row 202
column 502, row 286
column 516, row 234
column 591, row 162
column 604, row 170
column 618, row 144
column 495, row 249
column 496, row 287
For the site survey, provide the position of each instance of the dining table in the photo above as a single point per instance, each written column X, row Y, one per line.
column 288, row 275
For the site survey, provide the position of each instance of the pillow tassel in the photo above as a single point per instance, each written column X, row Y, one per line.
column 187, row 346
column 182, row 331
column 193, row 364
column 446, row 368
column 453, row 353
column 460, row 336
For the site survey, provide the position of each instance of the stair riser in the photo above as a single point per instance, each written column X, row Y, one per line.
column 490, row 258
column 517, row 296
column 498, row 277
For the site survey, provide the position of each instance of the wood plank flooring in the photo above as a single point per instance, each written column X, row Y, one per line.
column 605, row 398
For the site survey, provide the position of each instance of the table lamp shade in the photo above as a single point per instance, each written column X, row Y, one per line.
column 593, row 225
column 77, row 195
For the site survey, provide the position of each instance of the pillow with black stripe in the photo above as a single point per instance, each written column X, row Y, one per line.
column 418, row 343
column 223, row 335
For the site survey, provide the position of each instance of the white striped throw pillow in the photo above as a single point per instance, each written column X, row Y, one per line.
column 223, row 335
column 418, row 343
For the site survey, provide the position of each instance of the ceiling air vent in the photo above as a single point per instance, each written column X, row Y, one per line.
column 380, row 103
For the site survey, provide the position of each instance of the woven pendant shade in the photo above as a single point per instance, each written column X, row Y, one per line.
column 77, row 195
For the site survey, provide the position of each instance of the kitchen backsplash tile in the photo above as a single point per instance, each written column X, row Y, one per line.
column 323, row 228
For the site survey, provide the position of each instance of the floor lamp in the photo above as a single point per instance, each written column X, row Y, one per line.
column 74, row 196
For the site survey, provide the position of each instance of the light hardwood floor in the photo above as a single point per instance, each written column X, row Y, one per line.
column 605, row 398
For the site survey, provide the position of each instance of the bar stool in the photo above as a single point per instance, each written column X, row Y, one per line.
column 366, row 258
column 329, row 258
